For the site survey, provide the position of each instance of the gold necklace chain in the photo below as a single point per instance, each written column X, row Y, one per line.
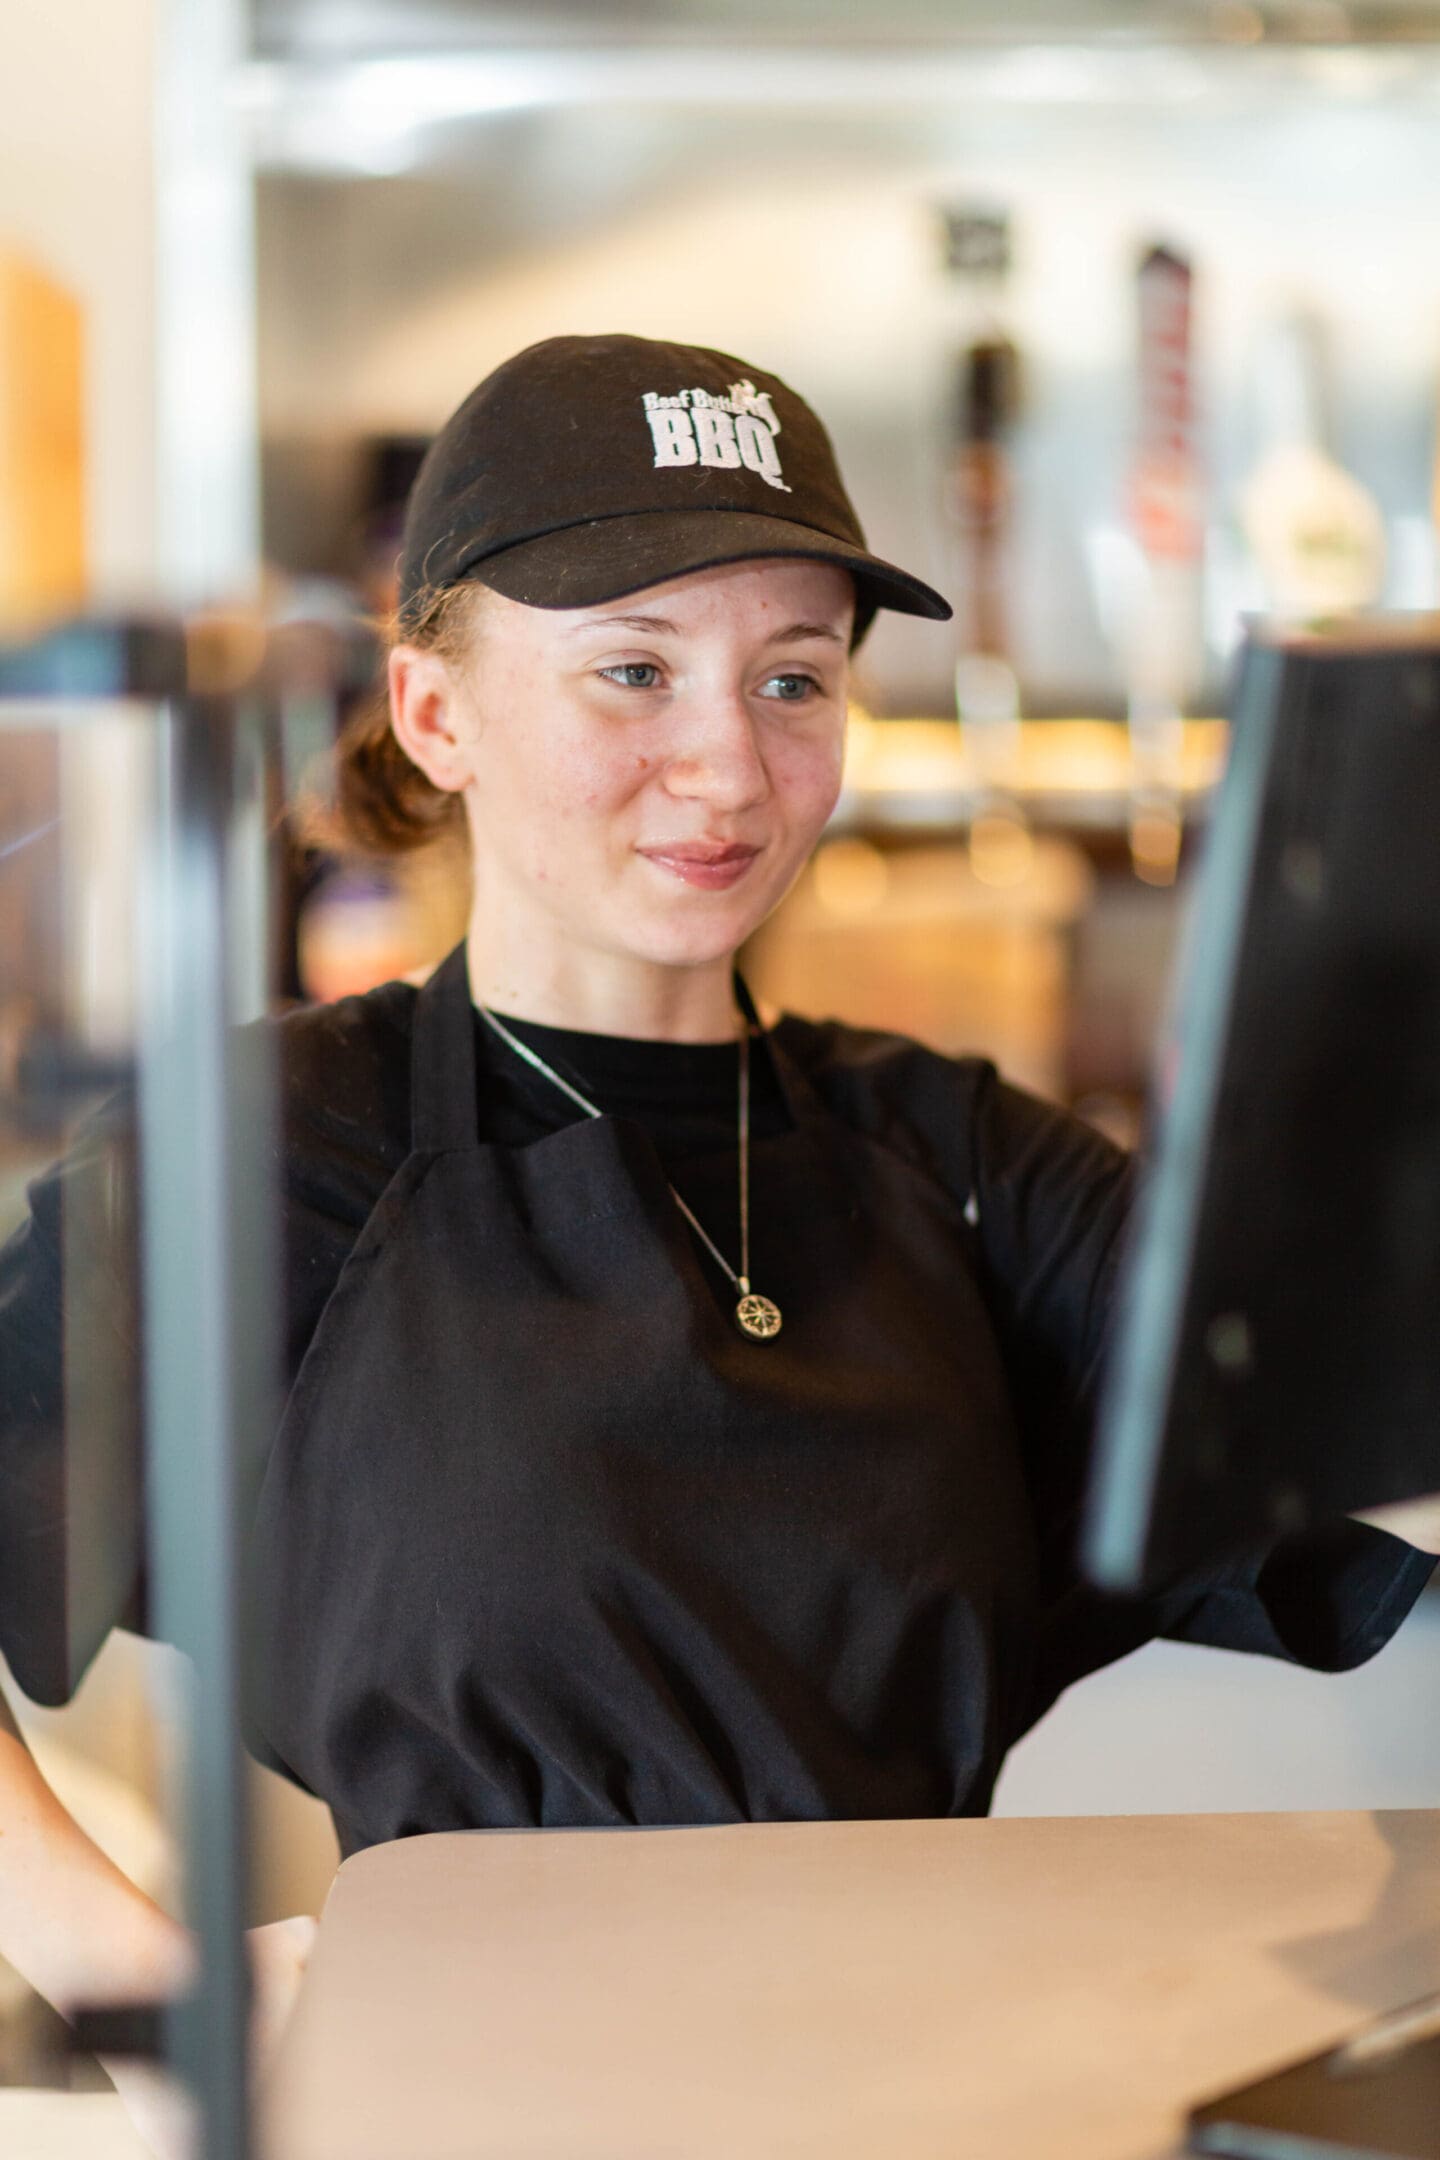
column 756, row 1316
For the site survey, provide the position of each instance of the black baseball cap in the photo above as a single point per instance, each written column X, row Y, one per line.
column 590, row 467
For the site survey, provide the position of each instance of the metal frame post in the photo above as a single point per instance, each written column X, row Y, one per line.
column 205, row 1156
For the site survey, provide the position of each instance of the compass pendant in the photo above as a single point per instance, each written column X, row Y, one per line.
column 758, row 1316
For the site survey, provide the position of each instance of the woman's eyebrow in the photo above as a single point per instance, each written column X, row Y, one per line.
column 660, row 626
column 654, row 625
column 799, row 630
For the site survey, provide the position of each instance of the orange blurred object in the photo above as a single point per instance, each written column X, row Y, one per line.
column 42, row 446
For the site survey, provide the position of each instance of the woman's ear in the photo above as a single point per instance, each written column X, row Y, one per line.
column 427, row 712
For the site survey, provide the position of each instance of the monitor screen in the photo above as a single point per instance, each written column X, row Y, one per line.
column 1277, row 1348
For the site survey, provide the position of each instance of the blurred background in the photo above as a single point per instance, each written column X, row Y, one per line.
column 1125, row 322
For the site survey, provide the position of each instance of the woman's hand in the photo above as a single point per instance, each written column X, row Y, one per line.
column 158, row 2106
column 278, row 1957
column 1416, row 1521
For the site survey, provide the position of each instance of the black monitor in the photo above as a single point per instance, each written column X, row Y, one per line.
column 1277, row 1355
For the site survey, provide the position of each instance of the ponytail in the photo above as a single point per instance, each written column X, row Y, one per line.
column 384, row 804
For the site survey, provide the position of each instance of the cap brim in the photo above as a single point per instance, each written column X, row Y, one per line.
column 606, row 558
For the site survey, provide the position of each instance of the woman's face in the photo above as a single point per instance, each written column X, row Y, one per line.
column 645, row 778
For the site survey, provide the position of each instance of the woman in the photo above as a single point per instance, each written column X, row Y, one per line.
column 687, row 1414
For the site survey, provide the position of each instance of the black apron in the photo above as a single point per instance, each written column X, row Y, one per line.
column 544, row 1539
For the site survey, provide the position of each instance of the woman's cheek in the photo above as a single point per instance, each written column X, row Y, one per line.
column 568, row 788
column 810, row 776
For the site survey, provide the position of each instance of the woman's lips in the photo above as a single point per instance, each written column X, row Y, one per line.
column 711, row 868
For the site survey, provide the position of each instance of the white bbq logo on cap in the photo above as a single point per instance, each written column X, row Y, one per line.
column 700, row 427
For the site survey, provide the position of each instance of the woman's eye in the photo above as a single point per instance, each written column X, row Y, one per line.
column 791, row 689
column 633, row 674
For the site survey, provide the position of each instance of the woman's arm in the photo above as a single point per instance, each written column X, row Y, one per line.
column 1417, row 1522
column 77, row 1928
column 71, row 1922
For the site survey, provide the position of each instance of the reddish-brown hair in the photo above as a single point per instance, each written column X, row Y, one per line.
column 384, row 804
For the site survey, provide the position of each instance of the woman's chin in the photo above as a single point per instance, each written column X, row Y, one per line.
column 697, row 928
column 696, row 942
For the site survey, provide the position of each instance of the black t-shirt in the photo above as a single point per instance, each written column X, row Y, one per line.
column 1044, row 1197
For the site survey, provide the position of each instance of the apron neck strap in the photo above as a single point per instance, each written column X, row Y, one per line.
column 443, row 1108
column 797, row 1092
column 744, row 1000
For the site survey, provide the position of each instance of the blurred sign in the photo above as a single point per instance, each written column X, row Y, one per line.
column 42, row 477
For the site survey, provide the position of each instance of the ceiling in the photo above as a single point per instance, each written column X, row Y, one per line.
column 355, row 29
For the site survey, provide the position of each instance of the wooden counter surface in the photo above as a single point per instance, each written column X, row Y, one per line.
column 1023, row 1989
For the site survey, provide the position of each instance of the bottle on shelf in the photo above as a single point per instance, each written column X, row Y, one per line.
column 1315, row 534
column 1164, row 641
column 984, row 404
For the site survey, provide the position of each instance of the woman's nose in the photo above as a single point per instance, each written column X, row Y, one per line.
column 718, row 756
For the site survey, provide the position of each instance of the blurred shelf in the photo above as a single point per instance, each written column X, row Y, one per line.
column 1070, row 775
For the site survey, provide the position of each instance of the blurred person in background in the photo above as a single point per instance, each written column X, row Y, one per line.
column 688, row 1405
